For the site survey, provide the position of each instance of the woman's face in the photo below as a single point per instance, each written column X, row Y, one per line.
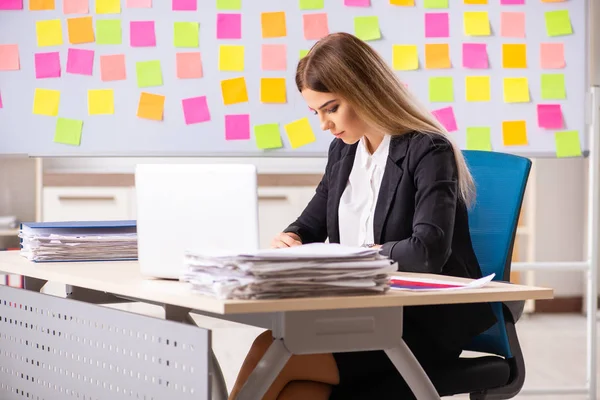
column 335, row 115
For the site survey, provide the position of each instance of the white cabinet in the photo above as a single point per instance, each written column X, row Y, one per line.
column 87, row 203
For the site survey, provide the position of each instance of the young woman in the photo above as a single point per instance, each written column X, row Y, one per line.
column 393, row 180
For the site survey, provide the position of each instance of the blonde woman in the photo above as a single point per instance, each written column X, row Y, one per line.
column 394, row 180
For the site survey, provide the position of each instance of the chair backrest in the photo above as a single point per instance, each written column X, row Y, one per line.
column 500, row 181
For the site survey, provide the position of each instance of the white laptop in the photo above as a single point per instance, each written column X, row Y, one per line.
column 193, row 206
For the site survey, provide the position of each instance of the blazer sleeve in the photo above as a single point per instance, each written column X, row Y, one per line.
column 436, row 196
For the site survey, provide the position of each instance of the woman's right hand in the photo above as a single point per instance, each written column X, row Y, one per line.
column 286, row 239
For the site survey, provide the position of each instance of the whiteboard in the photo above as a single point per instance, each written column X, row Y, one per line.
column 125, row 134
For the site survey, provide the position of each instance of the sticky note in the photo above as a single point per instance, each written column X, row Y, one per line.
column 49, row 33
column 46, row 102
column 142, row 34
column 11, row 4
column 567, row 144
column 234, row 91
column 315, row 26
column 446, row 117
column 108, row 31
column 514, row 133
column 47, row 65
column 195, row 110
column 514, row 55
column 9, row 57
column 231, row 58
column 553, row 87
column 139, row 3
column 552, row 55
column 41, row 5
column 441, row 89
column 437, row 56
column 108, row 6
column 405, row 57
column 112, row 68
column 229, row 4
column 435, row 3
column 478, row 88
column 476, row 23
column 151, row 106
column 1, row 100
column 148, row 73
column 406, row 3
column 272, row 90
column 550, row 116
column 189, row 65
column 475, row 2
column 303, row 53
column 300, row 133
column 479, row 138
column 186, row 34
column 514, row 2
column 273, row 24
column 357, row 3
column 558, row 23
column 267, row 136
column 81, row 30
column 367, row 28
column 516, row 90
column 475, row 56
column 512, row 24
column 237, row 127
column 75, row 7
column 229, row 26
column 311, row 4
column 274, row 57
column 80, row 61
column 101, row 102
column 68, row 131
column 185, row 5
column 437, row 25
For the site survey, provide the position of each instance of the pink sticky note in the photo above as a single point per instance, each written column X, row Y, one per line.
column 229, row 26
column 315, row 26
column 475, row 56
column 195, row 110
column 9, row 57
column 274, row 57
column 550, row 116
column 237, row 127
column 185, row 5
column 142, row 34
column 0, row 100
column 511, row 2
column 11, row 4
column 552, row 55
column 139, row 3
column 446, row 117
column 437, row 25
column 357, row 3
column 189, row 65
column 512, row 24
column 80, row 61
column 112, row 68
column 75, row 6
column 47, row 65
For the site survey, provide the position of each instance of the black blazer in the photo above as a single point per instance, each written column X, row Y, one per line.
column 420, row 222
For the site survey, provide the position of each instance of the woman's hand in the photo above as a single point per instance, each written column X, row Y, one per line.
column 286, row 239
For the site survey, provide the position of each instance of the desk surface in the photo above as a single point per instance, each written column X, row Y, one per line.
column 123, row 278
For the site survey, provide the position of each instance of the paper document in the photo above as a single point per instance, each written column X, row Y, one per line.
column 424, row 284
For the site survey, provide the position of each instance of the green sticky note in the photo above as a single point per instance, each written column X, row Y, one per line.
column 148, row 73
column 567, row 144
column 268, row 136
column 303, row 53
column 108, row 31
column 553, row 87
column 229, row 4
column 435, row 3
column 186, row 34
column 558, row 23
column 312, row 4
column 479, row 138
column 441, row 89
column 367, row 28
column 68, row 131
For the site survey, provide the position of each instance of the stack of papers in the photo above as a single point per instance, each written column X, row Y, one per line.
column 79, row 241
column 316, row 269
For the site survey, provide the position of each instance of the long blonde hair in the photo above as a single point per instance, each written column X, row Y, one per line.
column 343, row 64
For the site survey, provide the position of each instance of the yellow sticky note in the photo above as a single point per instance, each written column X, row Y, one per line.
column 46, row 102
column 101, row 102
column 405, row 3
column 300, row 133
column 476, row 23
column 272, row 90
column 405, row 57
column 478, row 88
column 273, row 24
column 514, row 55
column 437, row 56
column 514, row 133
column 151, row 106
column 108, row 6
column 234, row 91
column 231, row 58
column 516, row 90
column 49, row 33
column 476, row 1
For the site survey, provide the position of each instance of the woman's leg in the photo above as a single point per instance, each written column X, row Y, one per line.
column 303, row 390
column 314, row 367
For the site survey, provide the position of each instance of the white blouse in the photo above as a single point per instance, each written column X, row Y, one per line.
column 357, row 204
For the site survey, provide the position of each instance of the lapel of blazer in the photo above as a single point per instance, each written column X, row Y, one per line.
column 338, row 181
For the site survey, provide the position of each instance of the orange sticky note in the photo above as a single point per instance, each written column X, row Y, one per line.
column 151, row 106
column 476, row 2
column 234, row 91
column 273, row 24
column 272, row 90
column 41, row 5
column 437, row 56
column 405, row 3
column 552, row 55
column 514, row 133
column 81, row 30
column 514, row 55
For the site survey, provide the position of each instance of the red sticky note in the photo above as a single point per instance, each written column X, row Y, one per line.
column 229, row 26
column 80, row 61
column 112, row 68
column 550, row 116
column 552, row 55
column 185, row 5
column 9, row 57
column 274, row 57
column 47, row 65
column 357, row 3
column 437, row 25
column 75, row 6
column 189, row 65
column 446, row 117
column 315, row 26
column 11, row 4
column 142, row 34
column 237, row 127
column 512, row 24
column 195, row 110
column 475, row 56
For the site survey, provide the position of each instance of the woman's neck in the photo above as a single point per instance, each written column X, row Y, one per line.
column 372, row 141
